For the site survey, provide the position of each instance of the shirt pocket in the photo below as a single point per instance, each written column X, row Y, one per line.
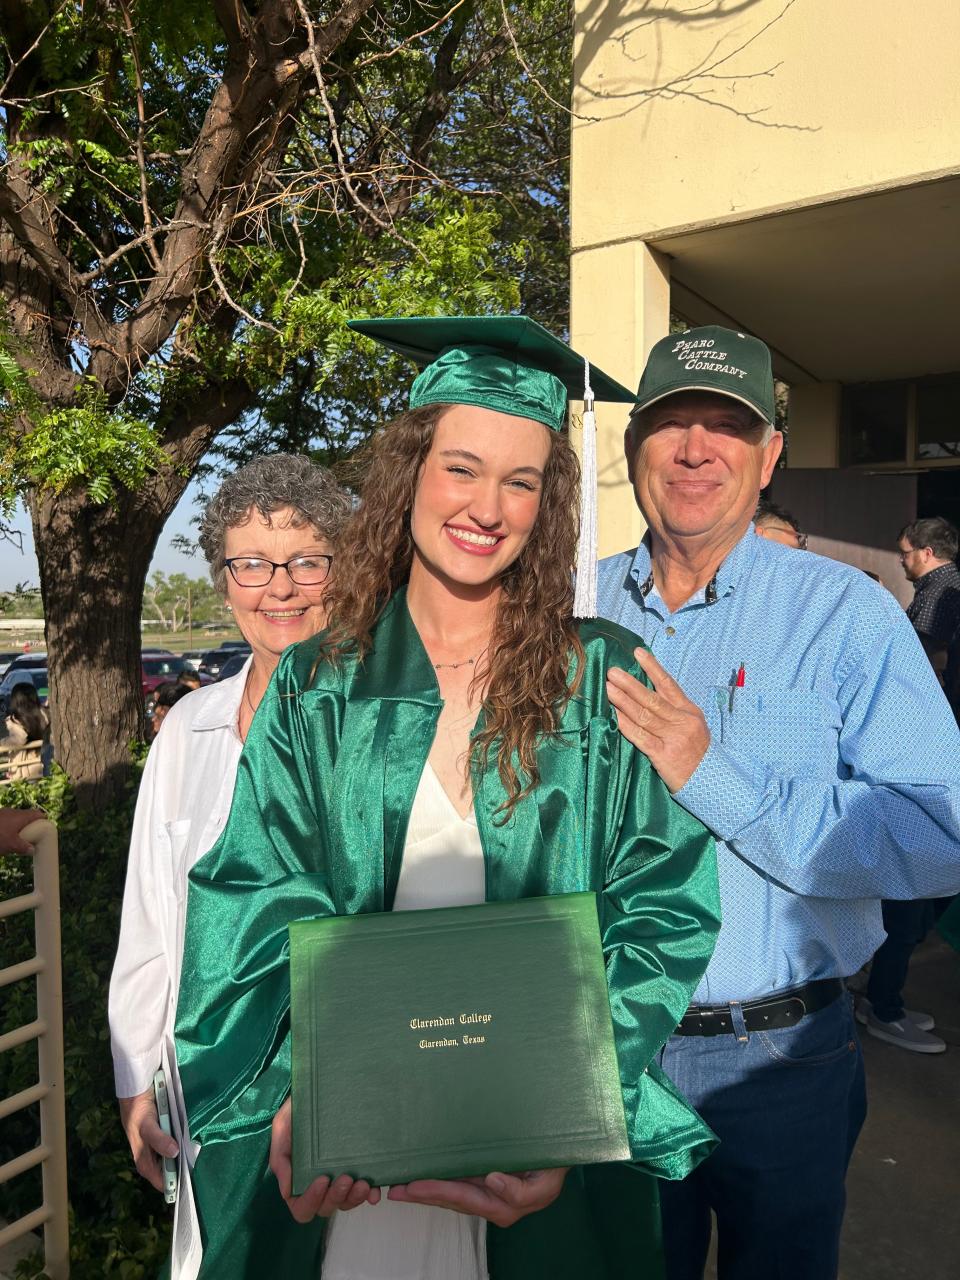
column 781, row 726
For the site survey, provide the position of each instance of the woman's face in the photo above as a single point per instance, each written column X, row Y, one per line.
column 478, row 495
column 281, row 613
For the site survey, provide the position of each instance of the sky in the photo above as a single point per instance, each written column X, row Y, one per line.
column 22, row 567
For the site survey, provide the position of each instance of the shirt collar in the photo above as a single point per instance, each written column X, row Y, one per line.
column 940, row 574
column 725, row 580
column 222, row 701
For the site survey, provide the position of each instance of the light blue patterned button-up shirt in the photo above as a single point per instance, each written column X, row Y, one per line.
column 833, row 775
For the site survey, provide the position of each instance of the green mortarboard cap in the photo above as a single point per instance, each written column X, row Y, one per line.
column 712, row 359
column 507, row 363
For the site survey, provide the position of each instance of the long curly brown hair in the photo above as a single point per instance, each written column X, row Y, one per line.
column 534, row 660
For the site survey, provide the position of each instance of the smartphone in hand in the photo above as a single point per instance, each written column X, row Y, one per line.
column 163, row 1112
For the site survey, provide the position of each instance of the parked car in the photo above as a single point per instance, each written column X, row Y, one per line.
column 193, row 657
column 233, row 664
column 37, row 676
column 158, row 668
column 27, row 661
column 236, row 644
column 6, row 659
column 213, row 660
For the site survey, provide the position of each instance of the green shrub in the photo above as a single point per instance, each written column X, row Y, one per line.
column 119, row 1224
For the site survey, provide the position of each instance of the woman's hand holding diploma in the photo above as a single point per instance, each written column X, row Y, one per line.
column 501, row 1198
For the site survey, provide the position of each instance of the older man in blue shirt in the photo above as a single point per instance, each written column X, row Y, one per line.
column 794, row 712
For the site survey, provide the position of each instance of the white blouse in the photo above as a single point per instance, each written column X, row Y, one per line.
column 442, row 867
column 182, row 807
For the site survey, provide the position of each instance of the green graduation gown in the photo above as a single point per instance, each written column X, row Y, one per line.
column 326, row 782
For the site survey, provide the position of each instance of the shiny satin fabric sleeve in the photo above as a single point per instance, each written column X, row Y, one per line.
column 233, row 1008
column 659, row 918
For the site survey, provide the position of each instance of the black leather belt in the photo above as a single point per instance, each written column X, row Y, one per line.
column 766, row 1014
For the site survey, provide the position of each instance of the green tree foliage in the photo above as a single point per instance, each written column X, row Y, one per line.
column 171, row 600
column 22, row 602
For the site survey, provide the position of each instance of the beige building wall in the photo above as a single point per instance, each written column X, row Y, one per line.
column 701, row 126
column 814, row 422
column 773, row 107
column 620, row 307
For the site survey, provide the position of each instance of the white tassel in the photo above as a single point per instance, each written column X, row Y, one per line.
column 585, row 596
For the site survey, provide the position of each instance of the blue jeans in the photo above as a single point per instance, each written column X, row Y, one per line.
column 907, row 924
column 787, row 1106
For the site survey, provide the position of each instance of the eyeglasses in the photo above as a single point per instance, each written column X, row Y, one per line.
column 793, row 533
column 305, row 571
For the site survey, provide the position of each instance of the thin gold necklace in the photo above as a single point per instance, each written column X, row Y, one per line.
column 452, row 666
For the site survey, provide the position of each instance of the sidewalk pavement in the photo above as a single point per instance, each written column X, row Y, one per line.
column 903, row 1189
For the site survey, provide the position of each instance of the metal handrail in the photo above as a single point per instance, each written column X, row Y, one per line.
column 47, row 1030
column 15, row 757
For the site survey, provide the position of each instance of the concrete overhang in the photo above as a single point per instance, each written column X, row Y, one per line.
column 862, row 289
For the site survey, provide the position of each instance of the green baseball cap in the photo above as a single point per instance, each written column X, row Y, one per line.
column 713, row 359
column 507, row 363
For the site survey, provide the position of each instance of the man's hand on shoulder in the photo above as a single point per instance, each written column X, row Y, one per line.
column 661, row 722
column 12, row 822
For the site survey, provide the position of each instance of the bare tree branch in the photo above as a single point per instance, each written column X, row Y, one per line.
column 141, row 127
column 29, row 216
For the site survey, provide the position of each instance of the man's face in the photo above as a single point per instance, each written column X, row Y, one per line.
column 915, row 561
column 698, row 463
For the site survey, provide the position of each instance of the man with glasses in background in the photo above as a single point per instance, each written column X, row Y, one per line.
column 927, row 553
column 777, row 524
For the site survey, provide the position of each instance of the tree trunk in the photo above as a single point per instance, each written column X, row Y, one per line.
column 93, row 567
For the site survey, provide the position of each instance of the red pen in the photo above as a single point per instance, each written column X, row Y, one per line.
column 738, row 683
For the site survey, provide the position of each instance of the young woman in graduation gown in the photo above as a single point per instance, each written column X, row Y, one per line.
column 452, row 658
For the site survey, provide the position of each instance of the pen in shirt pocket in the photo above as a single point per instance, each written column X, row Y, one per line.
column 738, row 681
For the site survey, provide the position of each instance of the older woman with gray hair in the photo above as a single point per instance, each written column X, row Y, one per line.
column 269, row 536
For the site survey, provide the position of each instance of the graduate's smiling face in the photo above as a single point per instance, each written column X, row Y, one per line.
column 478, row 495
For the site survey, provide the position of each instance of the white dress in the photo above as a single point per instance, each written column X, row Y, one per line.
column 442, row 867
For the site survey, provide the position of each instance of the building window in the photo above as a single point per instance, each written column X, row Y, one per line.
column 874, row 423
column 938, row 417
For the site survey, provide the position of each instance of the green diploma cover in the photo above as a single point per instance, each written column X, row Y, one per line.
column 449, row 1043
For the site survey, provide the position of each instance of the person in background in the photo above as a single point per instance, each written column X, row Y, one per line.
column 795, row 714
column 26, row 722
column 167, row 695
column 268, row 535
column 927, row 553
column 189, row 679
column 777, row 524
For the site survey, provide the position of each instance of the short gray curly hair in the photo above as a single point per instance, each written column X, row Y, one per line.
column 268, row 484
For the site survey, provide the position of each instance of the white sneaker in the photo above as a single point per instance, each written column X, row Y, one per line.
column 863, row 1009
column 906, row 1034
